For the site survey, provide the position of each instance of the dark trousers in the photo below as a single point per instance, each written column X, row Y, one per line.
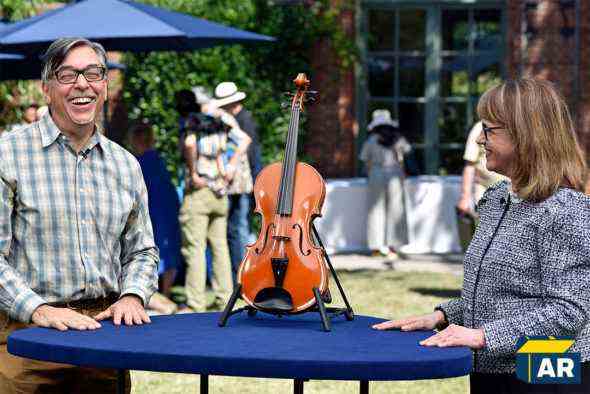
column 483, row 383
column 238, row 228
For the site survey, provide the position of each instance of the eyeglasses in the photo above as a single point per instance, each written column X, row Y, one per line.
column 487, row 130
column 68, row 75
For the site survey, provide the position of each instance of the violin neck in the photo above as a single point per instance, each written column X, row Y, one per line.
column 285, row 206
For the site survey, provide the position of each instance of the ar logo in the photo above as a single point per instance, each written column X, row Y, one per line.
column 544, row 360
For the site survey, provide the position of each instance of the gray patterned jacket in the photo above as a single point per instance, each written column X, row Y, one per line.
column 526, row 272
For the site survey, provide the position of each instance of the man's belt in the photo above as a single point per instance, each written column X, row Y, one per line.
column 88, row 303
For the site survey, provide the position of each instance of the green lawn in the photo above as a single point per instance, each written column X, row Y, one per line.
column 387, row 294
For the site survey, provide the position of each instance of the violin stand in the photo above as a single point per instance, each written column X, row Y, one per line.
column 326, row 313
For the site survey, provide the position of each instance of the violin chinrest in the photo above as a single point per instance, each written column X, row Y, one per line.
column 274, row 299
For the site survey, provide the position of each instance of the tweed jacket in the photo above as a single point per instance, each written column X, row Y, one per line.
column 526, row 272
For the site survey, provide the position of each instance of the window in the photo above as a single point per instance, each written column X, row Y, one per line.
column 428, row 65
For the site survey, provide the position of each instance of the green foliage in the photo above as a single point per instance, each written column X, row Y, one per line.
column 263, row 71
column 15, row 94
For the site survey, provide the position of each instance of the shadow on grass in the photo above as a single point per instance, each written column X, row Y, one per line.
column 443, row 293
column 367, row 273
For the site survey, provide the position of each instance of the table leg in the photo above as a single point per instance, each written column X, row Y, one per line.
column 364, row 387
column 204, row 384
column 298, row 386
column 121, row 381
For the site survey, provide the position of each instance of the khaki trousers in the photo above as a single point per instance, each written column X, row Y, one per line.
column 203, row 217
column 24, row 376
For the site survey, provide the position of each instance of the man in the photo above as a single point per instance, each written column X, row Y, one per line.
column 76, row 243
column 476, row 177
column 230, row 99
column 475, row 181
column 203, row 214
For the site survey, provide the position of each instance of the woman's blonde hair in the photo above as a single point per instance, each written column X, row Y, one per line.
column 538, row 121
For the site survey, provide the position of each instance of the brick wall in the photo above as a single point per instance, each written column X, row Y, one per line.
column 332, row 132
column 541, row 42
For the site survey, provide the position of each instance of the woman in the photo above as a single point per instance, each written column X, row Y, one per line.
column 383, row 154
column 163, row 207
column 527, row 269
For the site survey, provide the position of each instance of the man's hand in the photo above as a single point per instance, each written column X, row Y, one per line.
column 128, row 309
column 422, row 322
column 464, row 204
column 62, row 319
column 198, row 182
column 455, row 335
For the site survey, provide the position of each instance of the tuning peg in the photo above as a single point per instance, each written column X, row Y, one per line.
column 289, row 94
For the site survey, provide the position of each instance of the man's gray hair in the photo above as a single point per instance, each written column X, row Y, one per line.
column 59, row 49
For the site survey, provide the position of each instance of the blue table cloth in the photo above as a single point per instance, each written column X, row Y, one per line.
column 292, row 347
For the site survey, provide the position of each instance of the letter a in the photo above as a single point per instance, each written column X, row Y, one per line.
column 546, row 368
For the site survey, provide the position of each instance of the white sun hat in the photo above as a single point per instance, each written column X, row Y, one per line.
column 227, row 93
column 382, row 117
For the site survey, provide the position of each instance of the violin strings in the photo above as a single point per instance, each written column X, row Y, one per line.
column 292, row 162
column 285, row 187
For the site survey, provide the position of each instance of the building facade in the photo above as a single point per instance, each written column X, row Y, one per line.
column 428, row 62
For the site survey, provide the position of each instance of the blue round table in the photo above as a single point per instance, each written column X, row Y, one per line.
column 293, row 347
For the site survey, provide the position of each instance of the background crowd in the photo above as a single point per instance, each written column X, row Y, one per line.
column 203, row 226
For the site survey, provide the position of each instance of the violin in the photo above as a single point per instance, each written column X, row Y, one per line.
column 281, row 270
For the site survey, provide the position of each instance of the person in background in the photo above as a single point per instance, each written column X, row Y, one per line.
column 203, row 214
column 476, row 177
column 76, row 242
column 229, row 99
column 383, row 154
column 474, row 182
column 163, row 207
column 29, row 116
column 527, row 270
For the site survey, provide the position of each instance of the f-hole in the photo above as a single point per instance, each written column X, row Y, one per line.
column 308, row 252
column 265, row 239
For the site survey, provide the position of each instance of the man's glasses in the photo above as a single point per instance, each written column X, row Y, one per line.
column 487, row 130
column 69, row 75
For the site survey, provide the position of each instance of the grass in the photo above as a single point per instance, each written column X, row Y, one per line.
column 387, row 294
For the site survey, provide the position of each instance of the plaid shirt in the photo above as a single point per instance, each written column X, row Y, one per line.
column 72, row 226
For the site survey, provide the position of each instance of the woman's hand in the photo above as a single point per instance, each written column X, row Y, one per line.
column 455, row 335
column 422, row 322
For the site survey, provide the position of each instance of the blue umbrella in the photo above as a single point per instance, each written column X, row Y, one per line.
column 121, row 25
column 14, row 66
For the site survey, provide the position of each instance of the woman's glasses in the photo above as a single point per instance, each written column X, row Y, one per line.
column 487, row 130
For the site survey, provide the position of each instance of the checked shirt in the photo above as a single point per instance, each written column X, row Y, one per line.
column 72, row 225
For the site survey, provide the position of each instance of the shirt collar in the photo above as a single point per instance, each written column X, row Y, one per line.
column 50, row 133
column 513, row 196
